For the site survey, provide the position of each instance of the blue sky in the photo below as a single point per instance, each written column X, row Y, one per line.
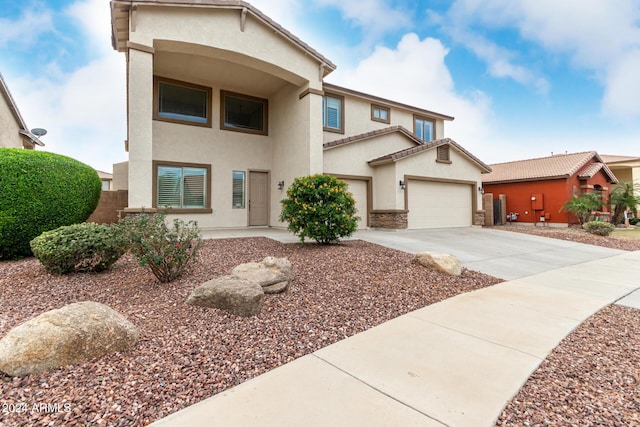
column 522, row 78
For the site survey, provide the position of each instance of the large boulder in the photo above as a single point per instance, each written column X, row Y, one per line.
column 445, row 263
column 233, row 294
column 74, row 333
column 273, row 274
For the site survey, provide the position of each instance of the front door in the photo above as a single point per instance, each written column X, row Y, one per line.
column 258, row 198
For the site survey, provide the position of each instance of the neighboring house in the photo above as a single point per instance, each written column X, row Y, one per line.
column 536, row 189
column 626, row 168
column 226, row 108
column 14, row 133
column 107, row 180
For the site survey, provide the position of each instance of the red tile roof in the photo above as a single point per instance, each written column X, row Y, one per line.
column 552, row 167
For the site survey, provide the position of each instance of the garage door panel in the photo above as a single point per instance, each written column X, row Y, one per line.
column 439, row 204
column 359, row 190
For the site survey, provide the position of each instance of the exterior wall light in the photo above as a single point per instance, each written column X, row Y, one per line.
column 280, row 185
column 480, row 190
column 402, row 185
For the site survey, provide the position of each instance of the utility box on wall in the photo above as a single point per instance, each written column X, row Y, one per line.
column 537, row 202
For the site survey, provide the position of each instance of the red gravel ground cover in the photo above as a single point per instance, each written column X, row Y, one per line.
column 186, row 354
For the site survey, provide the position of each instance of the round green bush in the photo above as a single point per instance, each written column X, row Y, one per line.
column 41, row 191
column 598, row 227
column 319, row 207
column 86, row 247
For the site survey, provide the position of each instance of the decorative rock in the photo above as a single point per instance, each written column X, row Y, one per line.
column 233, row 294
column 445, row 263
column 68, row 335
column 273, row 274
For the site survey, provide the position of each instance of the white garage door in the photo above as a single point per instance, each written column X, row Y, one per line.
column 359, row 190
column 439, row 204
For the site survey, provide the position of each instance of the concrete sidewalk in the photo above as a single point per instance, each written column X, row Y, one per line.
column 454, row 363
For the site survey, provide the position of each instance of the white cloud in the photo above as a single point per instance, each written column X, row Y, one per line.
column 375, row 16
column 27, row 28
column 84, row 110
column 415, row 73
column 596, row 36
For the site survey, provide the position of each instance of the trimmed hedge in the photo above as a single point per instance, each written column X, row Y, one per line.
column 86, row 247
column 41, row 191
column 598, row 227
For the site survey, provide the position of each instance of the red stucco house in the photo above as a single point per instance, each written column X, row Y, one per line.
column 536, row 189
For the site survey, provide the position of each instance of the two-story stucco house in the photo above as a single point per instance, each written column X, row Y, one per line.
column 226, row 108
column 14, row 133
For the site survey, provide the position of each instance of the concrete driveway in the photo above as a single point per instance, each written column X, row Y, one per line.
column 502, row 254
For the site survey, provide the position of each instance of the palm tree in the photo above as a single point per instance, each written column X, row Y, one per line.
column 583, row 206
column 623, row 197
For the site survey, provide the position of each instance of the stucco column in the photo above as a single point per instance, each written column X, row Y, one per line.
column 140, row 103
column 316, row 133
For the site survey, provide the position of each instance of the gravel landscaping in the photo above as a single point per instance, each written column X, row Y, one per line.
column 591, row 379
column 186, row 354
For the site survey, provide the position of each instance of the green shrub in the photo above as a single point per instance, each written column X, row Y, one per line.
column 634, row 221
column 166, row 251
column 86, row 247
column 599, row 228
column 41, row 191
column 319, row 207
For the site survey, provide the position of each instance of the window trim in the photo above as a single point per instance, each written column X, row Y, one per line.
column 244, row 189
column 156, row 101
column 265, row 113
column 206, row 209
column 426, row 119
column 380, row 107
column 341, row 99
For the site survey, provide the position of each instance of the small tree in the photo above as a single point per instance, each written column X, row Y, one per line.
column 583, row 206
column 623, row 197
column 319, row 207
column 166, row 251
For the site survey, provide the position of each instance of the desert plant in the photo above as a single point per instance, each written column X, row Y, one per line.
column 319, row 207
column 583, row 206
column 166, row 251
column 598, row 227
column 86, row 247
column 623, row 197
column 41, row 191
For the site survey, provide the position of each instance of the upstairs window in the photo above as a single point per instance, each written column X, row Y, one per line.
column 333, row 113
column 181, row 102
column 424, row 128
column 243, row 113
column 182, row 186
column 380, row 114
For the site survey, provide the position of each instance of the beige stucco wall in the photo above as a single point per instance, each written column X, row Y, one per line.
column 425, row 165
column 120, row 176
column 9, row 128
column 357, row 119
column 206, row 46
column 257, row 46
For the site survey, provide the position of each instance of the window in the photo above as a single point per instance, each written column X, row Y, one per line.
column 380, row 114
column 333, row 113
column 423, row 128
column 182, row 186
column 180, row 102
column 238, row 189
column 443, row 154
column 243, row 113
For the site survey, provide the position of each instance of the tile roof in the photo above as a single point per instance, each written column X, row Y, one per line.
column 120, row 12
column 608, row 158
column 343, row 90
column 398, row 155
column 555, row 166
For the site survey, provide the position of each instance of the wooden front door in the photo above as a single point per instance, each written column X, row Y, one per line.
column 258, row 198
